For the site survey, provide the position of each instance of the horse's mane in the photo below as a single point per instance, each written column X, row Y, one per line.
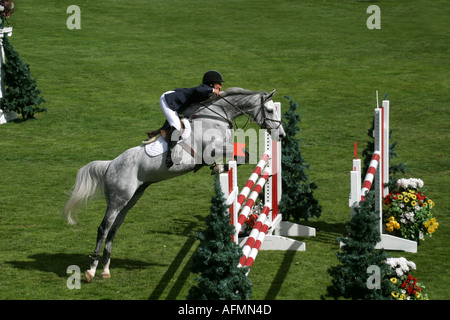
column 227, row 93
column 235, row 90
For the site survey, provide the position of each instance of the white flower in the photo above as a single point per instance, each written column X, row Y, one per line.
column 410, row 216
column 400, row 265
column 2, row 8
column 410, row 183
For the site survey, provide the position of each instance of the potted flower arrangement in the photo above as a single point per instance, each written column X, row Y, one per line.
column 405, row 286
column 253, row 216
column 407, row 211
column 6, row 9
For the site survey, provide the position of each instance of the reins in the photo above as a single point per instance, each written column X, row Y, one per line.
column 246, row 114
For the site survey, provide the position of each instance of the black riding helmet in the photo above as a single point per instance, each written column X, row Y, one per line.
column 212, row 76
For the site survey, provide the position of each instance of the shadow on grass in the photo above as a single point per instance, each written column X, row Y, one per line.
column 171, row 271
column 326, row 233
column 57, row 263
column 188, row 229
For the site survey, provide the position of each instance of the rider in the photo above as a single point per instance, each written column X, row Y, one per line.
column 173, row 101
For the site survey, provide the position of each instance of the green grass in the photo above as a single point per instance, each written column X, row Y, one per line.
column 102, row 84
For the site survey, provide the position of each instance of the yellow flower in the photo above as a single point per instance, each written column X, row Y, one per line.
column 391, row 218
column 413, row 203
column 414, row 196
column 406, row 199
column 394, row 294
column 402, row 297
column 417, row 294
column 394, row 280
column 400, row 197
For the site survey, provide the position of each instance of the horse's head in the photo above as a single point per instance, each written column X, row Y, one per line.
column 269, row 118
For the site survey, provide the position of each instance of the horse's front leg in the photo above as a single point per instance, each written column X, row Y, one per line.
column 230, row 151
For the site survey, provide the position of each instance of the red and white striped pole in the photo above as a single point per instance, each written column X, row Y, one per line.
column 368, row 180
column 251, row 181
column 254, row 235
column 252, row 198
column 259, row 240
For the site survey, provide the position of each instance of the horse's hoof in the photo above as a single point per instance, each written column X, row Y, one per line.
column 89, row 276
column 106, row 275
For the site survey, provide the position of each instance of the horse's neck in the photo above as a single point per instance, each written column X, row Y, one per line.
column 228, row 107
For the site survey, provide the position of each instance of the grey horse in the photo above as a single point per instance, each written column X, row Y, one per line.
column 124, row 179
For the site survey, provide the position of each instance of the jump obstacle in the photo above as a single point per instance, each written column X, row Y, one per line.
column 5, row 115
column 377, row 172
column 269, row 231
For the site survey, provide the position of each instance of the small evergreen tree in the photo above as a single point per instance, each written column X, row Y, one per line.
column 21, row 95
column 350, row 279
column 217, row 257
column 297, row 199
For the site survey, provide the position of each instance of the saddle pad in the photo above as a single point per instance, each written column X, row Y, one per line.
column 156, row 148
column 160, row 145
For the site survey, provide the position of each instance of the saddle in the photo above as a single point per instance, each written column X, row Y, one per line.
column 166, row 131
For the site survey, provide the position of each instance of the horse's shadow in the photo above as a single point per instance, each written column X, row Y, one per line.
column 58, row 263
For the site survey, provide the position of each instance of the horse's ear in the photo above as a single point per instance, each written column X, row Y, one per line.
column 270, row 95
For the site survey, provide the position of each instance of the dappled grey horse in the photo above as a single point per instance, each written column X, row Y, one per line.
column 125, row 178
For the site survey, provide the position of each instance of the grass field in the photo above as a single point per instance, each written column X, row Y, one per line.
column 102, row 84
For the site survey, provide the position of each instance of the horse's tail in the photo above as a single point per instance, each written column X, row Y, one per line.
column 89, row 182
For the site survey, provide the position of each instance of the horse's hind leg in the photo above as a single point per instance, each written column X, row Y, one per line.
column 102, row 232
column 106, row 259
column 115, row 205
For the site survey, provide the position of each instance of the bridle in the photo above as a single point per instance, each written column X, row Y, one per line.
column 250, row 118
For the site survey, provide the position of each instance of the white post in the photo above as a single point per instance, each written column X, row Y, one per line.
column 5, row 115
column 228, row 184
column 355, row 185
column 385, row 146
column 381, row 138
column 377, row 136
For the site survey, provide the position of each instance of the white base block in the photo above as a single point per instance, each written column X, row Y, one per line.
column 389, row 242
column 278, row 243
column 290, row 229
column 6, row 116
column 393, row 243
